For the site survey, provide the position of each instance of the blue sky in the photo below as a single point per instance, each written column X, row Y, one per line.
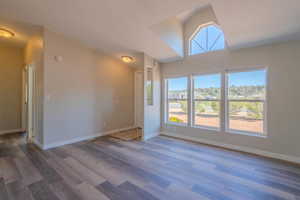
column 248, row 78
column 207, row 81
column 212, row 43
column 177, row 83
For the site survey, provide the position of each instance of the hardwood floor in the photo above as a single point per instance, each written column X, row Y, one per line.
column 161, row 168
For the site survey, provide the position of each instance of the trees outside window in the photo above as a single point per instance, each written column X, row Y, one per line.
column 177, row 100
column 206, row 100
column 229, row 101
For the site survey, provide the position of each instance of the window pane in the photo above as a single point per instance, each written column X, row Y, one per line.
column 246, row 116
column 177, row 88
column 201, row 38
column 149, row 86
column 213, row 35
column 178, row 111
column 177, row 98
column 207, row 87
column 220, row 44
column 247, row 85
column 208, row 38
column 195, row 48
column 207, row 113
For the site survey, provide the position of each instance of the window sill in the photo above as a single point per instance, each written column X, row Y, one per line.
column 253, row 134
column 207, row 128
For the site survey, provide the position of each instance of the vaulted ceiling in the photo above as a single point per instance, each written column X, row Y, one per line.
column 121, row 27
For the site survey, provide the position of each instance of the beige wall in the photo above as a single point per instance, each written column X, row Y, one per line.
column 283, row 110
column 86, row 93
column 11, row 63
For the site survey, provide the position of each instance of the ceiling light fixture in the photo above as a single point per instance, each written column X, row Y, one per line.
column 6, row 33
column 127, row 59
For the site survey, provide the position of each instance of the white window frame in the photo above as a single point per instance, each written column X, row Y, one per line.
column 197, row 31
column 166, row 96
column 219, row 100
column 227, row 101
column 224, row 103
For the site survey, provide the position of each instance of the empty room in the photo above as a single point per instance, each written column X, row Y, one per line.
column 149, row 100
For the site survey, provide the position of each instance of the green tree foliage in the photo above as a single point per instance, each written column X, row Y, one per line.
column 183, row 105
column 207, row 107
column 246, row 92
column 252, row 110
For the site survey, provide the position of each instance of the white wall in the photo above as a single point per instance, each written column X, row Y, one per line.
column 11, row 65
column 152, row 113
column 203, row 16
column 283, row 110
column 85, row 94
column 171, row 32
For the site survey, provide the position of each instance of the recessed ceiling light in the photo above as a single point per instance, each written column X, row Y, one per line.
column 127, row 59
column 6, row 33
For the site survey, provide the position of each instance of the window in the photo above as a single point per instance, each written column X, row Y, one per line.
column 206, row 100
column 207, row 38
column 246, row 96
column 233, row 102
column 149, row 87
column 177, row 100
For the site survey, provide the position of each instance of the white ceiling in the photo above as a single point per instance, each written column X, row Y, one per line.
column 113, row 26
column 255, row 22
column 121, row 27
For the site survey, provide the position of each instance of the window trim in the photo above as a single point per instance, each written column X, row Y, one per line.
column 193, row 102
column 197, row 31
column 226, row 100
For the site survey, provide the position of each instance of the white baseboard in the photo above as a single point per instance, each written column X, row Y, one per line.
column 80, row 139
column 37, row 143
column 268, row 154
column 11, row 131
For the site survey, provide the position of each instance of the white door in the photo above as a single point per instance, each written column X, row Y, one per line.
column 139, row 99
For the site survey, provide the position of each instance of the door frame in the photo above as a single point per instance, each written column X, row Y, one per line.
column 28, row 101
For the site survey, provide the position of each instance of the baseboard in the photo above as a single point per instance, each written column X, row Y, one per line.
column 80, row 139
column 11, row 131
column 38, row 144
column 277, row 156
column 148, row 136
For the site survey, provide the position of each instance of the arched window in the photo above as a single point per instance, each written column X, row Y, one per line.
column 207, row 38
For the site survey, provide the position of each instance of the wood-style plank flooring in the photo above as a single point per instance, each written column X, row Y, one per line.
column 161, row 168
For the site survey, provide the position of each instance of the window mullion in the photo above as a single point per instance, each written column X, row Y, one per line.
column 190, row 101
column 224, row 103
